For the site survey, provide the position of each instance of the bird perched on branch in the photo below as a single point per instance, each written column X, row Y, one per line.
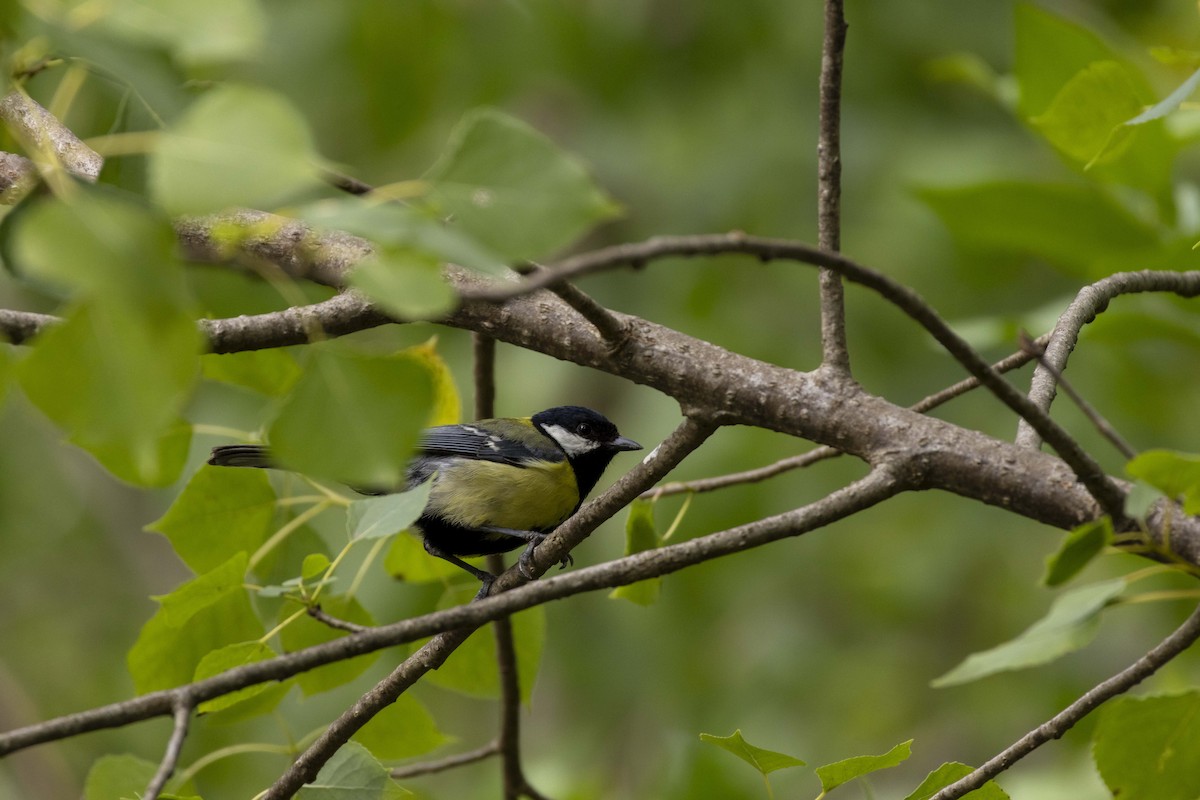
column 497, row 483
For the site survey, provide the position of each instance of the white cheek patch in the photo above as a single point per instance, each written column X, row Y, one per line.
column 572, row 443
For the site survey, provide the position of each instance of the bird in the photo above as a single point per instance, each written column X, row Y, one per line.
column 496, row 483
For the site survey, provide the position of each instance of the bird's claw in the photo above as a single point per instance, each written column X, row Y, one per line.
column 525, row 562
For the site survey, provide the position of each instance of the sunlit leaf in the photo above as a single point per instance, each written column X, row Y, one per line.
column 1073, row 226
column 407, row 284
column 116, row 777
column 1145, row 747
column 1077, row 550
column 640, row 535
column 765, row 761
column 235, row 146
column 839, row 772
column 1174, row 474
column 353, row 417
column 195, row 33
column 513, row 189
column 401, row 730
column 219, row 512
column 202, row 615
column 471, row 670
column 947, row 774
column 271, row 372
column 380, row 517
column 226, row 658
column 352, row 774
column 407, row 560
column 1086, row 119
column 116, row 372
column 306, row 632
column 403, row 228
column 1071, row 623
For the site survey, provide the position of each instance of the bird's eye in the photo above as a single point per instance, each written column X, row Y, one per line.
column 584, row 429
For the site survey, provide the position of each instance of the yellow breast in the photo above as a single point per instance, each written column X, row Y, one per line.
column 537, row 497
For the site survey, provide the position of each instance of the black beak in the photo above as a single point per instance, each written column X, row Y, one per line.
column 622, row 443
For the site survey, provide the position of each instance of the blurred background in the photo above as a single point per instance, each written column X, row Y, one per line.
column 696, row 117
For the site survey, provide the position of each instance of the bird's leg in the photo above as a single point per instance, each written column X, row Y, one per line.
column 534, row 538
column 485, row 578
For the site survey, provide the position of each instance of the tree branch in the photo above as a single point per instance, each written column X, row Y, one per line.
column 52, row 145
column 166, row 768
column 1182, row 638
column 829, row 188
column 447, row 763
column 1090, row 302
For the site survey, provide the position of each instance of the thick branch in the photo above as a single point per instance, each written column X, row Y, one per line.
column 46, row 139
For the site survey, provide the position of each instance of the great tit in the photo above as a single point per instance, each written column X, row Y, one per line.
column 496, row 482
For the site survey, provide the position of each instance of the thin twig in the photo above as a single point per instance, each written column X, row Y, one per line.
column 317, row 613
column 447, row 763
column 170, row 759
column 836, row 355
column 346, row 183
column 1090, row 302
column 1060, row 723
column 1095, row 417
column 484, row 351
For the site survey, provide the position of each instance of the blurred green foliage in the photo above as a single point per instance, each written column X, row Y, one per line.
column 986, row 164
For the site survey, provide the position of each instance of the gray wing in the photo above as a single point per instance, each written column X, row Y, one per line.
column 469, row 441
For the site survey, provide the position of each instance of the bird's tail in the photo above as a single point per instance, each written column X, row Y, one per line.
column 241, row 455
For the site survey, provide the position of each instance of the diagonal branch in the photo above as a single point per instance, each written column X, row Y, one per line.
column 1089, row 303
column 183, row 718
column 1181, row 639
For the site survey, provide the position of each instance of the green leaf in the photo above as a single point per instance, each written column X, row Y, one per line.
column 195, row 33
column 1071, row 623
column 118, row 777
column 401, row 730
column 1050, row 51
column 1086, row 120
column 640, row 535
column 392, row 226
column 1075, row 227
column 380, row 517
column 407, row 560
column 1174, row 474
column 306, row 632
column 835, row 774
column 1173, row 101
column 1077, row 550
column 219, row 512
column 314, row 565
column 270, row 372
column 235, row 146
column 471, row 670
column 765, row 761
column 947, row 774
column 352, row 774
column 202, row 615
column 406, row 283
column 116, row 372
column 226, row 658
column 512, row 189
column 353, row 418
column 1145, row 747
